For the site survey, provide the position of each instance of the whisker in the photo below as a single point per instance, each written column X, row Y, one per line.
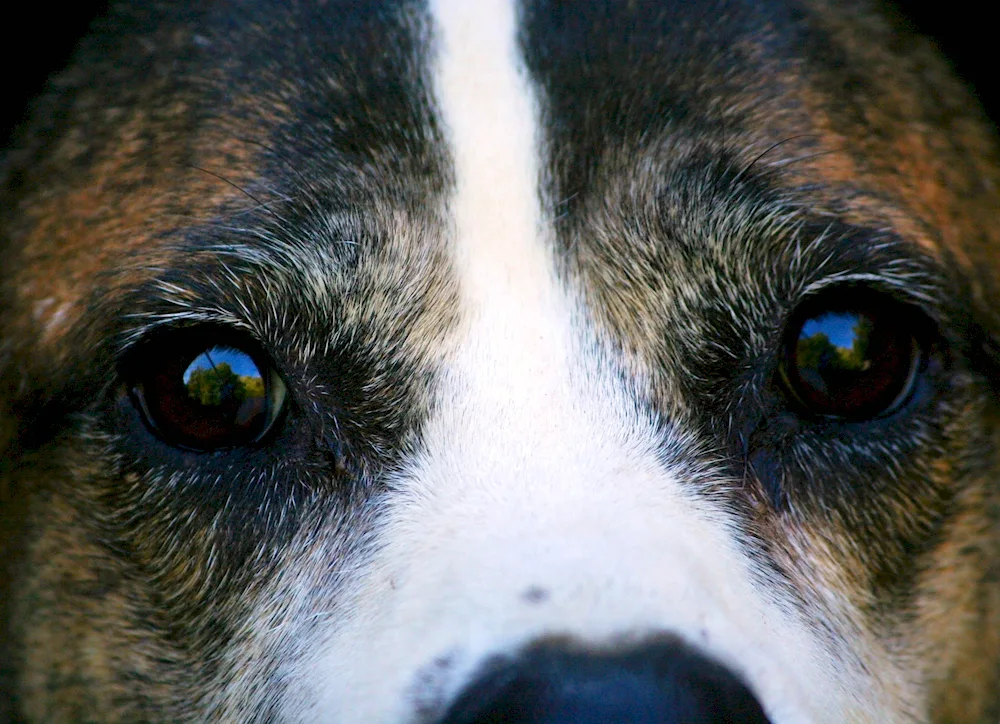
column 260, row 204
column 770, row 148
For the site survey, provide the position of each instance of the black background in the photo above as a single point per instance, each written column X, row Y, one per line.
column 42, row 40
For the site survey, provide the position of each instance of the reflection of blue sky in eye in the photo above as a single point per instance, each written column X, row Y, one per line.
column 839, row 328
column 239, row 362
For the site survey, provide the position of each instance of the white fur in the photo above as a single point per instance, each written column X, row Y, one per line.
column 539, row 471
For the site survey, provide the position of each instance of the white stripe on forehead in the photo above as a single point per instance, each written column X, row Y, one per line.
column 515, row 363
column 512, row 395
column 490, row 119
column 511, row 403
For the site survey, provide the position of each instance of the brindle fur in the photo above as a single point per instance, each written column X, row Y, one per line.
column 185, row 165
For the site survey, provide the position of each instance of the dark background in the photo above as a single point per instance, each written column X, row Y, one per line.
column 961, row 29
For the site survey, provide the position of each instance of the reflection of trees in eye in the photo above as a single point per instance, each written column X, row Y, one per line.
column 859, row 350
column 817, row 352
column 214, row 386
column 253, row 386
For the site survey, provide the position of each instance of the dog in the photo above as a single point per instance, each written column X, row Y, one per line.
column 537, row 362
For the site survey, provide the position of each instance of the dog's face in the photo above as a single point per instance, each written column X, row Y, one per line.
column 471, row 362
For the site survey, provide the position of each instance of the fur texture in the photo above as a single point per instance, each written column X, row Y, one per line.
column 526, row 270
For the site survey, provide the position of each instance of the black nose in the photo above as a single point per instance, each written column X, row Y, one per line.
column 554, row 682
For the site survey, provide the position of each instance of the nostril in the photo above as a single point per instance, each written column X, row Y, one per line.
column 555, row 682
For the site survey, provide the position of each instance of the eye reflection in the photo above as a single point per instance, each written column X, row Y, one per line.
column 851, row 355
column 206, row 397
column 227, row 379
column 831, row 346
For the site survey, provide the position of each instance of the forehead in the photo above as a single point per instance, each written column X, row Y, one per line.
column 336, row 108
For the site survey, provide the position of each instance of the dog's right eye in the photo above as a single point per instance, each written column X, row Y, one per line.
column 207, row 397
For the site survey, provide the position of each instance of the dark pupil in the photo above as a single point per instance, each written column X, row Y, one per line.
column 219, row 400
column 851, row 363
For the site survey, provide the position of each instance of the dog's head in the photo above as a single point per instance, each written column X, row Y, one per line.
column 481, row 362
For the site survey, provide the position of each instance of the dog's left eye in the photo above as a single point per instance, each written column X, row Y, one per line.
column 851, row 355
column 207, row 397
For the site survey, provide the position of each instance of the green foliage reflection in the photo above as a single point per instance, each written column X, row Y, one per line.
column 218, row 385
column 817, row 352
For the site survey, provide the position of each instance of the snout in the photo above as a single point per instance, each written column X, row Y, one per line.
column 556, row 682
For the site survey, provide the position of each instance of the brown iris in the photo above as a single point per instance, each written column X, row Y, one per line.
column 852, row 356
column 208, row 397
